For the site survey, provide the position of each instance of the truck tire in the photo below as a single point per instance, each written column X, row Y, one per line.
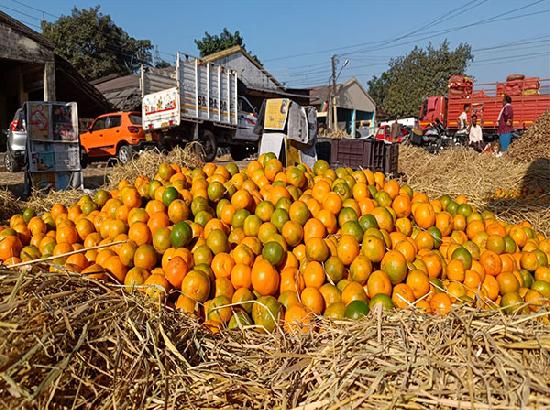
column 238, row 152
column 10, row 163
column 83, row 158
column 208, row 146
column 124, row 154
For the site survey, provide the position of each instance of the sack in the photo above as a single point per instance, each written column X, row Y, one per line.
column 530, row 92
column 512, row 77
column 531, row 83
column 501, row 89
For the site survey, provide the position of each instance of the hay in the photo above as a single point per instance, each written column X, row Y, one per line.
column 463, row 171
column 147, row 163
column 535, row 143
column 9, row 205
column 40, row 202
column 66, row 341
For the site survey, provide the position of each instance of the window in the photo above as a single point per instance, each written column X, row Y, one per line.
column 99, row 124
column 135, row 119
column 114, row 121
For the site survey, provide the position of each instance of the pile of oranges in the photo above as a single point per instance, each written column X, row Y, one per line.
column 269, row 245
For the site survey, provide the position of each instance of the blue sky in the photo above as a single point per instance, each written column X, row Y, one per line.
column 295, row 38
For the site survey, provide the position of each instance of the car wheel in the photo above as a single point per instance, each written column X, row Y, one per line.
column 124, row 154
column 208, row 146
column 10, row 163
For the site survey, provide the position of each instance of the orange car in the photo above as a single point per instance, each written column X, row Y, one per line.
column 117, row 134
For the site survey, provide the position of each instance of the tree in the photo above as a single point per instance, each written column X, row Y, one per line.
column 399, row 91
column 95, row 45
column 210, row 44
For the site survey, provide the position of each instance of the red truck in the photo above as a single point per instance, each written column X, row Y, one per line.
column 530, row 98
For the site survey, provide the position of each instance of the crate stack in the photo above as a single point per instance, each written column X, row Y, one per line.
column 360, row 153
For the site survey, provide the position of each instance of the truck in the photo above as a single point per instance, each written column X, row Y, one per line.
column 196, row 101
column 530, row 98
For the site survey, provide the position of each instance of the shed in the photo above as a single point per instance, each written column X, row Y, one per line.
column 124, row 92
column 354, row 106
column 259, row 83
column 31, row 70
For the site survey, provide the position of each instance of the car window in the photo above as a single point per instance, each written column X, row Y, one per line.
column 114, row 121
column 135, row 119
column 99, row 124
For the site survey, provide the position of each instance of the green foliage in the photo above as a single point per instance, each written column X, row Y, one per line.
column 95, row 45
column 399, row 91
column 210, row 44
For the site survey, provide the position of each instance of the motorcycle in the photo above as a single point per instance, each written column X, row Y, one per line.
column 433, row 140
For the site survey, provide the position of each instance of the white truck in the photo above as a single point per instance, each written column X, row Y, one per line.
column 196, row 102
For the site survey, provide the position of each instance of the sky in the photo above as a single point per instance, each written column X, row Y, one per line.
column 295, row 39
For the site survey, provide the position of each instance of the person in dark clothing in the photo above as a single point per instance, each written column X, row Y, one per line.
column 505, row 123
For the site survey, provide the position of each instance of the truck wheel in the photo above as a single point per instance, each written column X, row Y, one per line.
column 209, row 146
column 83, row 158
column 10, row 163
column 124, row 154
column 238, row 152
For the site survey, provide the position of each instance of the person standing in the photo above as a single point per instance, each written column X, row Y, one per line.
column 475, row 134
column 395, row 131
column 505, row 123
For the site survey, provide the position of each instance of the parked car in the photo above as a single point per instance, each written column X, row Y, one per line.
column 117, row 134
column 16, row 142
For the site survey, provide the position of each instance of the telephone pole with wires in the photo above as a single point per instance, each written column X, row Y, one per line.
column 333, row 125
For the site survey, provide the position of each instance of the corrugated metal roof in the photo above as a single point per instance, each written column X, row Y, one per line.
column 321, row 94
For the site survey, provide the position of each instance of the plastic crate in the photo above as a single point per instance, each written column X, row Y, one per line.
column 377, row 156
column 391, row 158
column 323, row 148
column 351, row 153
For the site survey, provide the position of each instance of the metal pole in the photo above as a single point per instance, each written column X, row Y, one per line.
column 332, row 103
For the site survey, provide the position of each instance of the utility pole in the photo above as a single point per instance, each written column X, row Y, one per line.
column 332, row 101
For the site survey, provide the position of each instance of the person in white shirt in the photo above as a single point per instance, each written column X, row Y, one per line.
column 475, row 134
column 463, row 118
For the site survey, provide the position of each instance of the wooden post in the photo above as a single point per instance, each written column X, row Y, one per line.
column 49, row 81
column 353, row 116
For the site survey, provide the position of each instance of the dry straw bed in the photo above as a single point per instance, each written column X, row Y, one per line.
column 463, row 171
column 148, row 163
column 69, row 342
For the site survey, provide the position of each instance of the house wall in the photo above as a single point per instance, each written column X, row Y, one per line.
column 248, row 73
column 353, row 97
column 15, row 46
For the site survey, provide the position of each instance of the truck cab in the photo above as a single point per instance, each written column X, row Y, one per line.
column 432, row 107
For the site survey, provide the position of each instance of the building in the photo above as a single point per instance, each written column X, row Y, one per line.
column 354, row 106
column 30, row 70
column 123, row 93
column 259, row 83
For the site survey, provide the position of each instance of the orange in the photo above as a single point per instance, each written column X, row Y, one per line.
column 145, row 257
column 313, row 274
column 297, row 319
column 360, row 269
column 378, row 282
column 317, row 250
column 222, row 265
column 347, row 249
column 353, row 291
column 490, row 287
column 402, row 206
column 424, row 215
column 440, row 304
column 495, row 243
column 491, row 262
column 455, row 270
column 241, row 276
column 114, row 265
column 140, row 233
column 394, row 265
column 373, row 248
column 402, row 296
column 196, row 286
column 313, row 228
column 265, row 279
column 175, row 271
column 313, row 300
column 419, row 283
column 507, row 282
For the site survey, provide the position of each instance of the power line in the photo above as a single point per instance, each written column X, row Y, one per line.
column 34, row 8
